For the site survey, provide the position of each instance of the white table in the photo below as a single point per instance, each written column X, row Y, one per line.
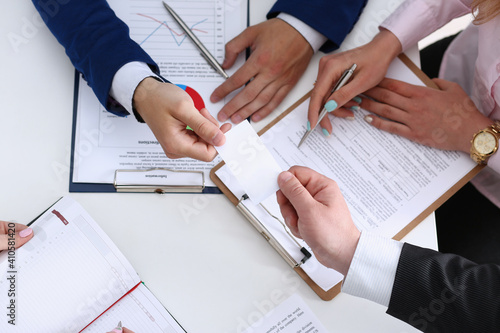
column 212, row 271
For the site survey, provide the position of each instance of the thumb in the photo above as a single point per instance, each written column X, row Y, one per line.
column 295, row 192
column 204, row 128
column 443, row 84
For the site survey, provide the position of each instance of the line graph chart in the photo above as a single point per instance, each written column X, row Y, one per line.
column 156, row 31
column 179, row 38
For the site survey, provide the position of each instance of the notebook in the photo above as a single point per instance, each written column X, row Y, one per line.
column 70, row 277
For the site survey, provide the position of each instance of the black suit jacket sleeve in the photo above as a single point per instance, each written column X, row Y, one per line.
column 332, row 18
column 437, row 292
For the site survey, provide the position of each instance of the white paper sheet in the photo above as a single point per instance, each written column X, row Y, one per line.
column 250, row 162
column 291, row 316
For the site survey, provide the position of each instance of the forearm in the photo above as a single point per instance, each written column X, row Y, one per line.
column 95, row 39
column 438, row 292
column 415, row 19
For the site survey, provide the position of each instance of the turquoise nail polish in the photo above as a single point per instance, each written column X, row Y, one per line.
column 330, row 105
column 355, row 108
column 326, row 133
column 357, row 99
column 308, row 126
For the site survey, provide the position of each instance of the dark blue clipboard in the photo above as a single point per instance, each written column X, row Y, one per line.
column 105, row 187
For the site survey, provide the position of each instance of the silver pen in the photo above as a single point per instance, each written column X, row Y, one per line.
column 204, row 52
column 340, row 83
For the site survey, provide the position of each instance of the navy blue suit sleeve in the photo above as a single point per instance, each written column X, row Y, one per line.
column 437, row 292
column 96, row 40
column 332, row 18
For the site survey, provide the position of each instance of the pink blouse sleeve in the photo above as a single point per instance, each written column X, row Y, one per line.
column 415, row 19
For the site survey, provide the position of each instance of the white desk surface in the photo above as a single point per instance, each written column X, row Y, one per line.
column 212, row 271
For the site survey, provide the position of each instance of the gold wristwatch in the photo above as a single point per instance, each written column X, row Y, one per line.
column 485, row 143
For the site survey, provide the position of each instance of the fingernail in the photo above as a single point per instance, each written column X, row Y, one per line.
column 25, row 232
column 350, row 118
column 256, row 118
column 355, row 108
column 222, row 116
column 357, row 99
column 330, row 105
column 236, row 119
column 284, row 177
column 326, row 133
column 369, row 119
column 287, row 220
column 218, row 139
column 308, row 126
column 214, row 99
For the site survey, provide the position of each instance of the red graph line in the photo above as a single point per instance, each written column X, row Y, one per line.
column 166, row 25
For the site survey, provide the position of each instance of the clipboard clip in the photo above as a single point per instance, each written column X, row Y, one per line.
column 268, row 236
column 159, row 180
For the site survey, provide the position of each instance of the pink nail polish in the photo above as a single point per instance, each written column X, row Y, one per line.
column 25, row 232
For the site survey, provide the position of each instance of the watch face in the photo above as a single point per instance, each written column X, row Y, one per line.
column 485, row 143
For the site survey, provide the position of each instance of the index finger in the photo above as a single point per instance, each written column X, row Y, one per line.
column 189, row 144
column 235, row 81
column 330, row 72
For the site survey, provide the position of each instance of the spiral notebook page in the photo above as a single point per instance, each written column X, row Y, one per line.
column 139, row 311
column 67, row 275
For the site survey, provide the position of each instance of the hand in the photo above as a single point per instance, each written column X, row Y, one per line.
column 167, row 109
column 315, row 210
column 445, row 119
column 372, row 61
column 279, row 57
column 22, row 234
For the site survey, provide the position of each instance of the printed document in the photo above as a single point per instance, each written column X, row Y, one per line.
column 104, row 142
column 387, row 181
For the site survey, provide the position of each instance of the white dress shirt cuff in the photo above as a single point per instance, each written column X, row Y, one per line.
column 373, row 268
column 126, row 80
column 313, row 37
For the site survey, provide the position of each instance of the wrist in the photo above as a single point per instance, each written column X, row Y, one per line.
column 143, row 93
column 475, row 126
column 388, row 44
column 341, row 254
column 350, row 249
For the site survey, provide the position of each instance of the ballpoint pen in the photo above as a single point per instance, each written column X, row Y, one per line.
column 340, row 83
column 204, row 52
column 118, row 328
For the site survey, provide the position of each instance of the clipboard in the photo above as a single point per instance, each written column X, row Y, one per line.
column 115, row 186
column 126, row 186
column 327, row 295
